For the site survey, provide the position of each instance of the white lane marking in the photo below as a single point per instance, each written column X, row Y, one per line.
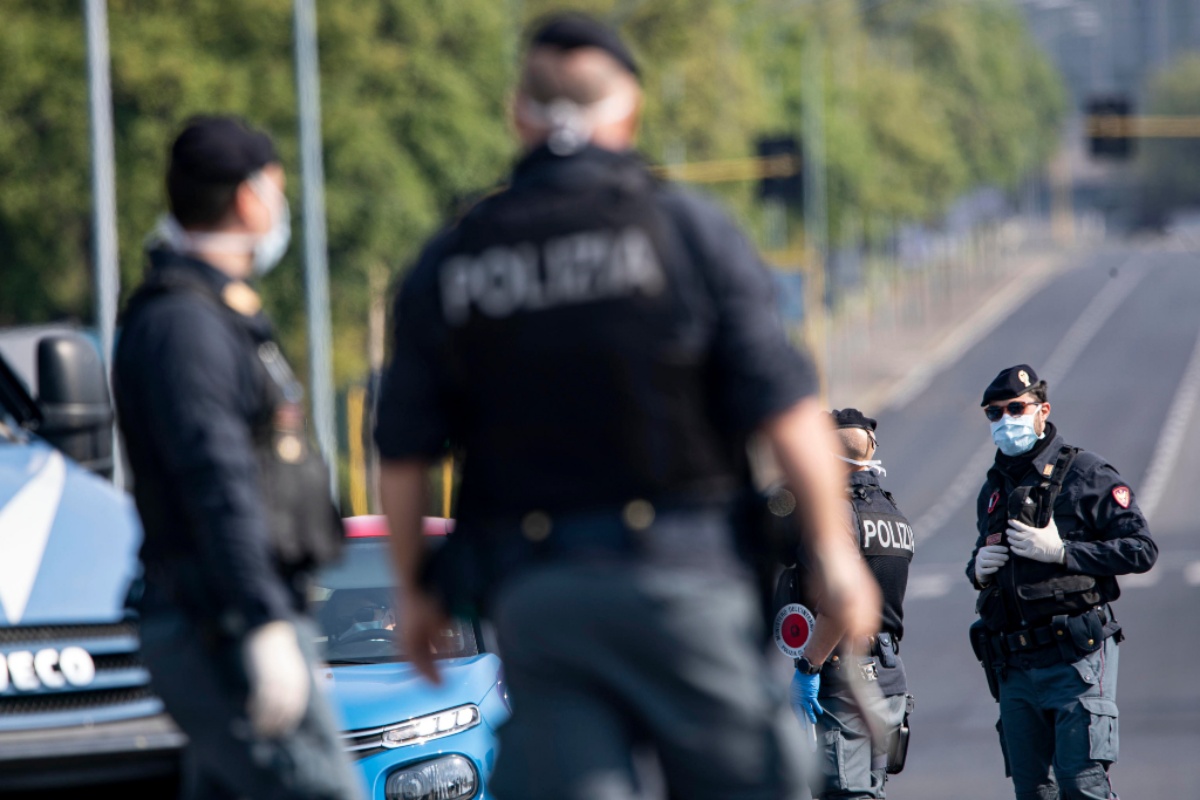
column 1170, row 438
column 926, row 586
column 972, row 331
column 1142, row 581
column 1068, row 351
column 25, row 525
column 1191, row 573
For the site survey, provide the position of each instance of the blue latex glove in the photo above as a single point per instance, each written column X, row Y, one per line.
column 804, row 695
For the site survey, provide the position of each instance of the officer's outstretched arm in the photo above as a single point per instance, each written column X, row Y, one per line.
column 804, row 445
column 403, row 489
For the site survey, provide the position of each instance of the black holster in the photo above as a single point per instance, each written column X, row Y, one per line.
column 981, row 644
column 898, row 741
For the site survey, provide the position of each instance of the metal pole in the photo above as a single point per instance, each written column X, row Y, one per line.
column 107, row 278
column 316, row 267
column 815, row 213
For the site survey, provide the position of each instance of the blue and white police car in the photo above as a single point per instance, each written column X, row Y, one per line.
column 412, row 740
column 75, row 702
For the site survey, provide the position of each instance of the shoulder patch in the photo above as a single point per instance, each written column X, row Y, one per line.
column 1122, row 496
column 241, row 298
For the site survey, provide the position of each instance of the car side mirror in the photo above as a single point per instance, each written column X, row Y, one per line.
column 73, row 397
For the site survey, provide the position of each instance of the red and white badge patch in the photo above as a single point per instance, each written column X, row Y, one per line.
column 995, row 498
column 1122, row 496
column 793, row 628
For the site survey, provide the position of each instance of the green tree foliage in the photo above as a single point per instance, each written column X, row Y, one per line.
column 923, row 99
column 1170, row 168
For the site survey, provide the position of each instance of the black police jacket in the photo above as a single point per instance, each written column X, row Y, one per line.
column 197, row 410
column 587, row 336
column 1103, row 531
column 887, row 544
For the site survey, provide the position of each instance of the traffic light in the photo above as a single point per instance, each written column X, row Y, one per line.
column 1109, row 125
column 782, row 179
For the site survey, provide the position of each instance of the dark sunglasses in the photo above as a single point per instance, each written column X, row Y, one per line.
column 1015, row 409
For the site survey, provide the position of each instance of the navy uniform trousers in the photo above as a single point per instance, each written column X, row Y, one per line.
column 605, row 656
column 1058, row 727
column 203, row 686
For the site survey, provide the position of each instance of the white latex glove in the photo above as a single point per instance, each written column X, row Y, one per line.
column 989, row 559
column 279, row 679
column 1039, row 544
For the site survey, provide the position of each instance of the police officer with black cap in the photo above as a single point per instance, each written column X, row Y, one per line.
column 233, row 500
column 600, row 346
column 822, row 692
column 1056, row 524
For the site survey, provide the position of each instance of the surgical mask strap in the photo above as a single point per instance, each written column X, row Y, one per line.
column 874, row 466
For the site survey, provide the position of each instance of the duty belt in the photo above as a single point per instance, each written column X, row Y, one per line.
column 1042, row 636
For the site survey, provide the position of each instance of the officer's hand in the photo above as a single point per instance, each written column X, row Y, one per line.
column 988, row 560
column 804, row 695
column 422, row 622
column 280, row 680
column 1039, row 544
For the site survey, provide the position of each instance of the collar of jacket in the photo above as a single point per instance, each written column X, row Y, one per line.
column 863, row 478
column 541, row 165
column 163, row 259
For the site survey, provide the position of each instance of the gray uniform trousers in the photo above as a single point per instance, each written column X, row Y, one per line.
column 203, row 686
column 847, row 767
column 1064, row 716
column 603, row 658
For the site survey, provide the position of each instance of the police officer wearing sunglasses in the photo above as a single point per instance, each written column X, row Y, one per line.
column 1056, row 525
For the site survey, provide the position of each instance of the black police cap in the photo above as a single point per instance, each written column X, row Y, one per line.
column 1010, row 383
column 572, row 30
column 852, row 418
column 221, row 149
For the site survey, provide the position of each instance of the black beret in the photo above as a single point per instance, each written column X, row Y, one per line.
column 852, row 418
column 221, row 150
column 1010, row 383
column 572, row 30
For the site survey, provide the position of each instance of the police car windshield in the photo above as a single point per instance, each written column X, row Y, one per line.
column 14, row 400
column 356, row 607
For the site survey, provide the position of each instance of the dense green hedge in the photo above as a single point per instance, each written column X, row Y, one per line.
column 924, row 99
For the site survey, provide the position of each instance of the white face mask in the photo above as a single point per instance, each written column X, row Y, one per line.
column 571, row 124
column 267, row 249
column 874, row 466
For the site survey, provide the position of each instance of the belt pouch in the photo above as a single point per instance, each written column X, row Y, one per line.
column 886, row 650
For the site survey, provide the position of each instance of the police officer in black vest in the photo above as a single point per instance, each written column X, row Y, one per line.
column 1057, row 524
column 850, row 767
column 600, row 346
column 234, row 502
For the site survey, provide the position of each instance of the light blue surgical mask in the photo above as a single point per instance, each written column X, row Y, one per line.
column 269, row 250
column 1015, row 435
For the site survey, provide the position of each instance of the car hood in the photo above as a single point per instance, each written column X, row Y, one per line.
column 373, row 695
column 69, row 540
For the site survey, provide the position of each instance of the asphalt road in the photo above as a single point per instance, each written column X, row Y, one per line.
column 1118, row 337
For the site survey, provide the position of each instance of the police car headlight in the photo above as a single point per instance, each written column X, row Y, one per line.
column 432, row 726
column 445, row 778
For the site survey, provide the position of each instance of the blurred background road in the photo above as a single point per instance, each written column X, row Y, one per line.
column 1116, row 334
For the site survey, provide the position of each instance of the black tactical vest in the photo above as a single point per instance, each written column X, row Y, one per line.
column 579, row 333
column 304, row 526
column 887, row 544
column 1025, row 593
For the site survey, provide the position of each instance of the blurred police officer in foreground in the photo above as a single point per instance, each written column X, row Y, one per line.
column 234, row 503
column 849, row 767
column 600, row 346
column 1056, row 524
